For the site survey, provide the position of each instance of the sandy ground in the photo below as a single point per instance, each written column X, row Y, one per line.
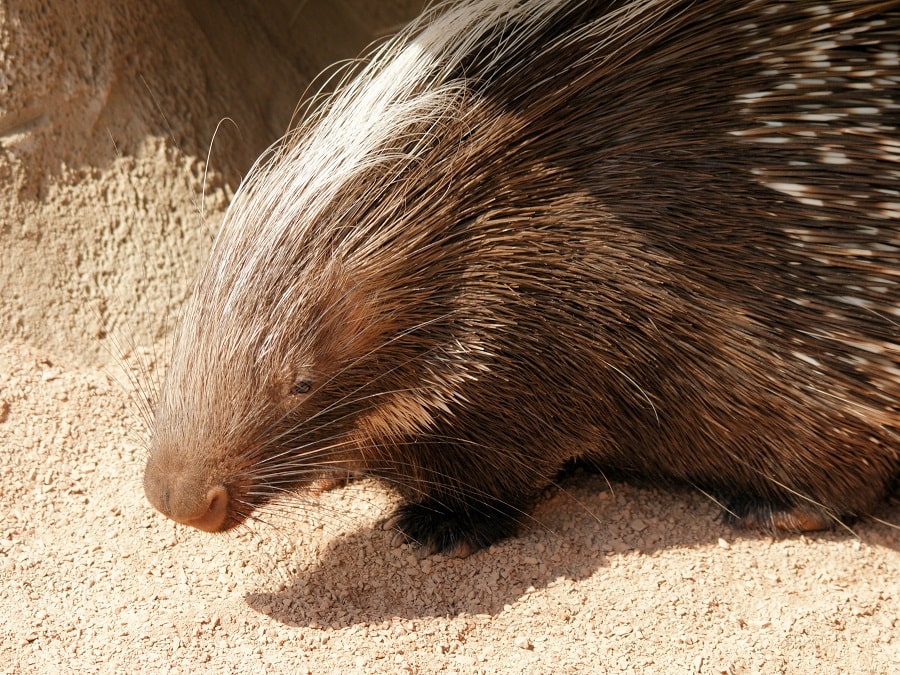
column 103, row 148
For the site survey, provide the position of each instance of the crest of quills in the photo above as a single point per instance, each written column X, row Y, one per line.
column 660, row 237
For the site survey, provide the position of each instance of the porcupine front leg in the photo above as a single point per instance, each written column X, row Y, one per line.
column 459, row 500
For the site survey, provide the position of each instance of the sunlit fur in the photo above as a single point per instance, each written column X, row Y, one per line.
column 659, row 235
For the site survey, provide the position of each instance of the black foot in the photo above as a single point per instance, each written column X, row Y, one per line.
column 441, row 529
column 758, row 514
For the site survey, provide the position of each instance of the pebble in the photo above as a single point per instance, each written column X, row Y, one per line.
column 523, row 642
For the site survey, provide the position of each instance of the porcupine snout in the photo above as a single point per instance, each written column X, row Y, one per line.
column 185, row 495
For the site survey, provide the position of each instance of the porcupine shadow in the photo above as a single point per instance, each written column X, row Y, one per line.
column 360, row 577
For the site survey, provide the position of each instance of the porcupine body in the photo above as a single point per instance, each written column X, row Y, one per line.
column 662, row 236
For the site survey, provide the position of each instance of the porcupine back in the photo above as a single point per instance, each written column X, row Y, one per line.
column 662, row 236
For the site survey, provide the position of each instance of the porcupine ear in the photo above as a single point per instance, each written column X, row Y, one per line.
column 335, row 328
column 345, row 317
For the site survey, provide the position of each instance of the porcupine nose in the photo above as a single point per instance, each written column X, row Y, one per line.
column 186, row 501
column 208, row 514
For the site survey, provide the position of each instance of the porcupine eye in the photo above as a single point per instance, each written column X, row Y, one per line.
column 301, row 386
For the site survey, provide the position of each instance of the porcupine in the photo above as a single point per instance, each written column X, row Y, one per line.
column 659, row 236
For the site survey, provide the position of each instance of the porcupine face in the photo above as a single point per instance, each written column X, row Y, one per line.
column 660, row 234
column 267, row 409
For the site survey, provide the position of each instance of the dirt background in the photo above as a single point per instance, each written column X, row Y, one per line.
column 107, row 206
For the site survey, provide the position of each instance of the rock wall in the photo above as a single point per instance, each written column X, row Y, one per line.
column 124, row 129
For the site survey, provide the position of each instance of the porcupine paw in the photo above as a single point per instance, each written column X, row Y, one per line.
column 322, row 485
column 440, row 529
column 755, row 513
